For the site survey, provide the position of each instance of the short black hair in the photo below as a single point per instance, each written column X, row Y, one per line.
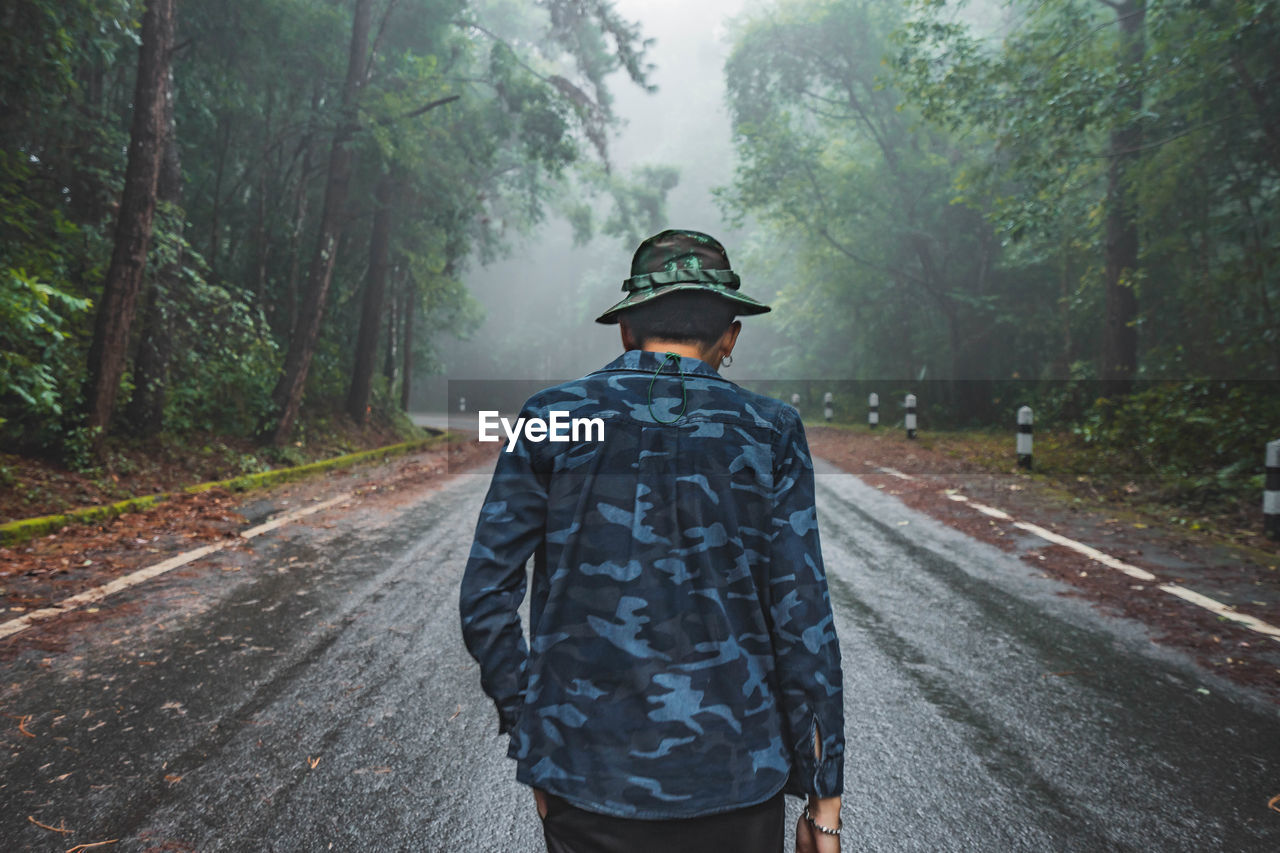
column 686, row 317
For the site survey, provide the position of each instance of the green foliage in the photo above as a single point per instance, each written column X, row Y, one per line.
column 39, row 309
column 1047, row 89
column 877, row 270
column 225, row 363
column 1206, row 439
column 636, row 203
column 478, row 109
column 32, row 319
column 933, row 179
column 77, row 448
column 59, row 163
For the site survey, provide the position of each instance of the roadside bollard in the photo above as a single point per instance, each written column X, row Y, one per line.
column 873, row 416
column 828, row 411
column 462, row 404
column 1024, row 437
column 1271, row 493
column 911, row 416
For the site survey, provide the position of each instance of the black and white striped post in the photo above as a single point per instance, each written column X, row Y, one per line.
column 873, row 413
column 1024, row 437
column 828, row 410
column 1271, row 495
column 911, row 415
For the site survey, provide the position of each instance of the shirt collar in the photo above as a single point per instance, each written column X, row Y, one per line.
column 649, row 361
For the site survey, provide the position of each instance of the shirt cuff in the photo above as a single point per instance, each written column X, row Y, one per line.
column 811, row 777
column 507, row 718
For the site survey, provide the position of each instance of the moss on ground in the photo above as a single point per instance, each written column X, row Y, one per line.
column 16, row 532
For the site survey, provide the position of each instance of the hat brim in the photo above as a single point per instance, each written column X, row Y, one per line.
column 744, row 304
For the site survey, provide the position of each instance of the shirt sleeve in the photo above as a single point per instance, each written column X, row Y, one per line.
column 509, row 530
column 804, row 636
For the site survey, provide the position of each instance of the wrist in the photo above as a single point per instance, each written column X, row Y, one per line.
column 824, row 807
column 824, row 814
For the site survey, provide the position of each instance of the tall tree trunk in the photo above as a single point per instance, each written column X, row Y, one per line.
column 151, row 365
column 215, row 226
column 1062, row 361
column 393, row 325
column 133, row 225
column 374, row 292
column 262, row 245
column 406, row 372
column 290, row 324
column 288, row 392
column 1120, row 333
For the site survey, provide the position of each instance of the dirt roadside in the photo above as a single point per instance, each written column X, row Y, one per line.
column 80, row 557
column 1244, row 579
column 31, row 486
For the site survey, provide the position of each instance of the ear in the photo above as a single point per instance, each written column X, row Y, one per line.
column 730, row 337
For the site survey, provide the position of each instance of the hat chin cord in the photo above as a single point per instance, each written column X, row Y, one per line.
column 684, row 393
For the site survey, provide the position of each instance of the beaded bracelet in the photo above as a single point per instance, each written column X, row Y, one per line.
column 825, row 830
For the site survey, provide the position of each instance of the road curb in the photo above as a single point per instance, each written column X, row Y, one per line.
column 22, row 530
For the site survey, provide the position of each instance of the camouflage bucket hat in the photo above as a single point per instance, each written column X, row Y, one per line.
column 678, row 260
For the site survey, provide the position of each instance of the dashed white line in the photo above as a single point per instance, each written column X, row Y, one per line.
column 13, row 626
column 1211, row 604
column 1092, row 553
column 293, row 515
column 890, row 471
column 1217, row 607
column 983, row 508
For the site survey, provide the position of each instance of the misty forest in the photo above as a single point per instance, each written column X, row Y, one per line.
column 262, row 221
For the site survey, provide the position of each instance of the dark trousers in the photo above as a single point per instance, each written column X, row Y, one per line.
column 755, row 829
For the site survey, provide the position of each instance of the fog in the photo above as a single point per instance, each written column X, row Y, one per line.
column 542, row 298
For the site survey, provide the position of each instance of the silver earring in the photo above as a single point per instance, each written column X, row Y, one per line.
column 727, row 360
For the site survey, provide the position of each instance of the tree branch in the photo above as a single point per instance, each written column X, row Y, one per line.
column 439, row 102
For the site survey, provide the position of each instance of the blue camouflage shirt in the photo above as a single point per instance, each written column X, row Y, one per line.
column 682, row 655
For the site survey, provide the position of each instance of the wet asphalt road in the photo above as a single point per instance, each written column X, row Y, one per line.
column 985, row 711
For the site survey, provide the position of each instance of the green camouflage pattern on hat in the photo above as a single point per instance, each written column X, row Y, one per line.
column 680, row 260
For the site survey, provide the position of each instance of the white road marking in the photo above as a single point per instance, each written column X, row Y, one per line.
column 293, row 515
column 13, row 626
column 1220, row 609
column 1091, row 553
column 1211, row 604
column 983, row 508
column 891, row 471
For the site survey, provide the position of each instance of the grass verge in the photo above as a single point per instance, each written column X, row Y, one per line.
column 15, row 532
column 1083, row 474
